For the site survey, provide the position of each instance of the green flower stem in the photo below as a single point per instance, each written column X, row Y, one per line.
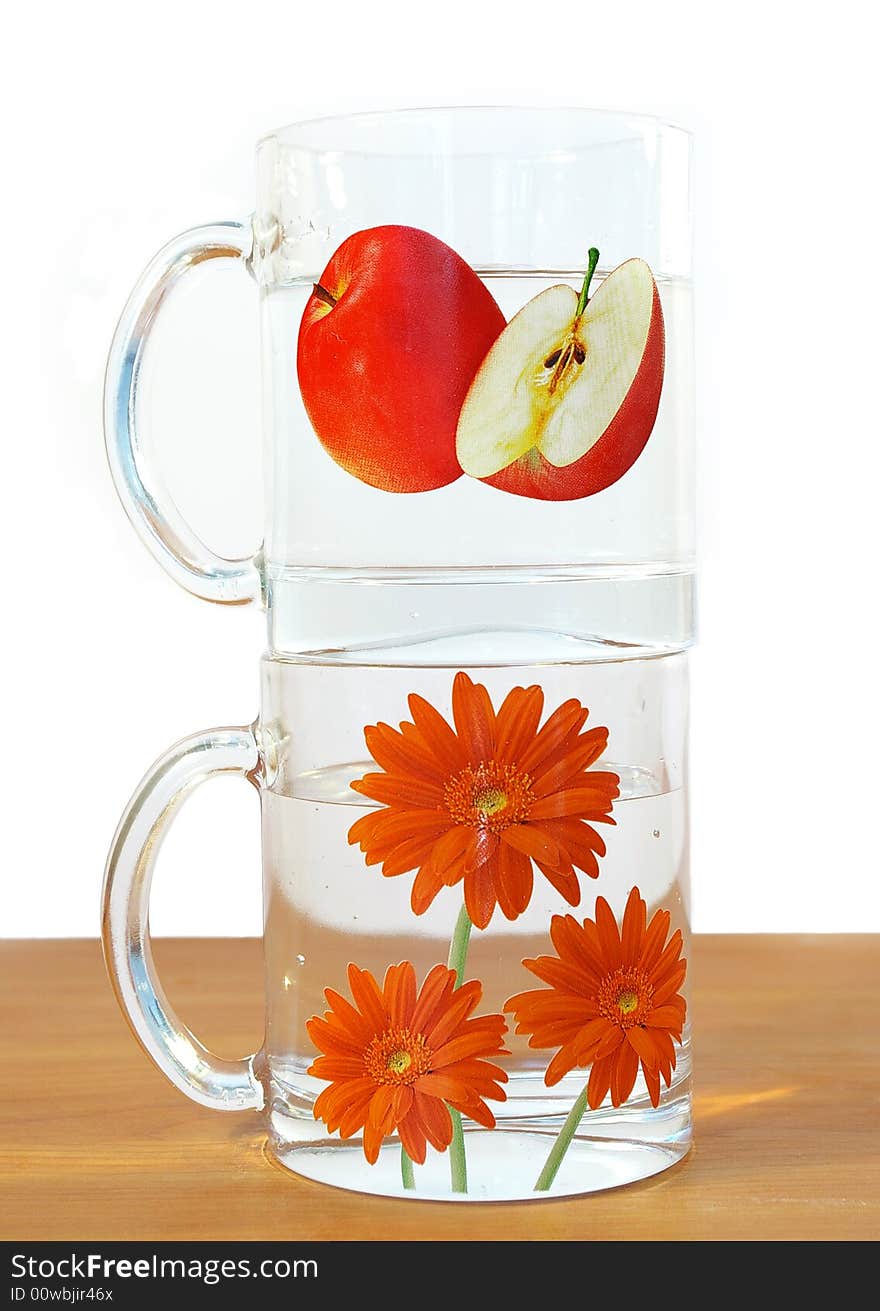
column 562, row 1144
column 458, row 949
column 459, row 946
column 406, row 1170
column 593, row 257
column 457, row 1155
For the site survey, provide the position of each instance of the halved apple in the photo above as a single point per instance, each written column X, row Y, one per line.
column 566, row 399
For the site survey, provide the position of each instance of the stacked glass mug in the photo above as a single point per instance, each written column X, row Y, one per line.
column 478, row 579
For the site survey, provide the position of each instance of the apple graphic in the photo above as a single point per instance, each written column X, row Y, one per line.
column 565, row 400
column 389, row 343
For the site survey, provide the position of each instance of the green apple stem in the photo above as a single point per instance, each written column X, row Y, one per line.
column 593, row 258
column 457, row 956
column 323, row 294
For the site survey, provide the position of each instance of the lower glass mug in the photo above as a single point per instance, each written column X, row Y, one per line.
column 476, row 924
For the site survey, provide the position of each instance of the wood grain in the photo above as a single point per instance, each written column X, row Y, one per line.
column 95, row 1144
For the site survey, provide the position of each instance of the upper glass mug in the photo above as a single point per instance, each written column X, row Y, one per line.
column 410, row 436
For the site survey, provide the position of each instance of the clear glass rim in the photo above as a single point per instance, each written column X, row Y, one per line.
column 294, row 136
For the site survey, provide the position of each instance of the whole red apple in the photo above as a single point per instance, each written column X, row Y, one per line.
column 389, row 343
column 566, row 399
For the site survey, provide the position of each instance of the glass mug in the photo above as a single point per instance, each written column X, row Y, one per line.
column 478, row 578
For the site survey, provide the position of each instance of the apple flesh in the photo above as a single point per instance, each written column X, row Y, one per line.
column 390, row 341
column 566, row 399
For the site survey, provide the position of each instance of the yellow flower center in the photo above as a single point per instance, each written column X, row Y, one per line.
column 627, row 1002
column 489, row 796
column 624, row 997
column 397, row 1056
column 490, row 801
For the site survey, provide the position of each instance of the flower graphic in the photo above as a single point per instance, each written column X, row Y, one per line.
column 487, row 800
column 612, row 1000
column 398, row 1055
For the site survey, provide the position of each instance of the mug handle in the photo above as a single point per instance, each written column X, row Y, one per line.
column 206, row 1078
column 146, row 500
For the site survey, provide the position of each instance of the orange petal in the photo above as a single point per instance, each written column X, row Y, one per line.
column 564, row 1060
column 664, row 1017
column 652, row 1081
column 483, row 1076
column 368, row 997
column 517, row 722
column 435, row 1120
column 474, row 718
column 463, row 1001
column 485, row 845
column 439, row 1085
column 565, row 881
column 600, row 1082
column 573, row 945
column 584, row 860
column 670, row 977
column 635, row 917
column 438, row 736
column 639, row 1040
column 381, row 1112
column 433, row 995
column 412, row 1136
column 668, row 961
column 560, row 974
column 623, row 1074
column 338, row 1041
column 476, row 1109
column 588, row 802
column 350, row 1021
column 337, row 1067
column 399, row 789
column 567, row 718
column 667, row 993
column 575, row 834
column 606, row 927
column 590, row 1037
column 610, row 1043
column 407, row 856
column 663, row 1042
column 532, row 841
column 655, row 936
column 402, row 1103
column 333, row 1101
column 373, row 1136
column 400, row 992
column 354, row 1117
column 515, row 877
column 362, row 830
column 505, row 905
column 454, row 873
column 398, row 755
column 387, row 827
column 425, row 888
column 479, row 895
column 459, row 1048
column 552, row 774
column 451, row 846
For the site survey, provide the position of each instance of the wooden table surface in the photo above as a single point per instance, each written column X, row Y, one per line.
column 94, row 1144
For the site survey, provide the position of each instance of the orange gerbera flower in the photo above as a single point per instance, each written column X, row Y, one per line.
column 484, row 801
column 613, row 1000
column 397, row 1056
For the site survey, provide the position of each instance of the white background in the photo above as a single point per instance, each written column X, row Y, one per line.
column 123, row 124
